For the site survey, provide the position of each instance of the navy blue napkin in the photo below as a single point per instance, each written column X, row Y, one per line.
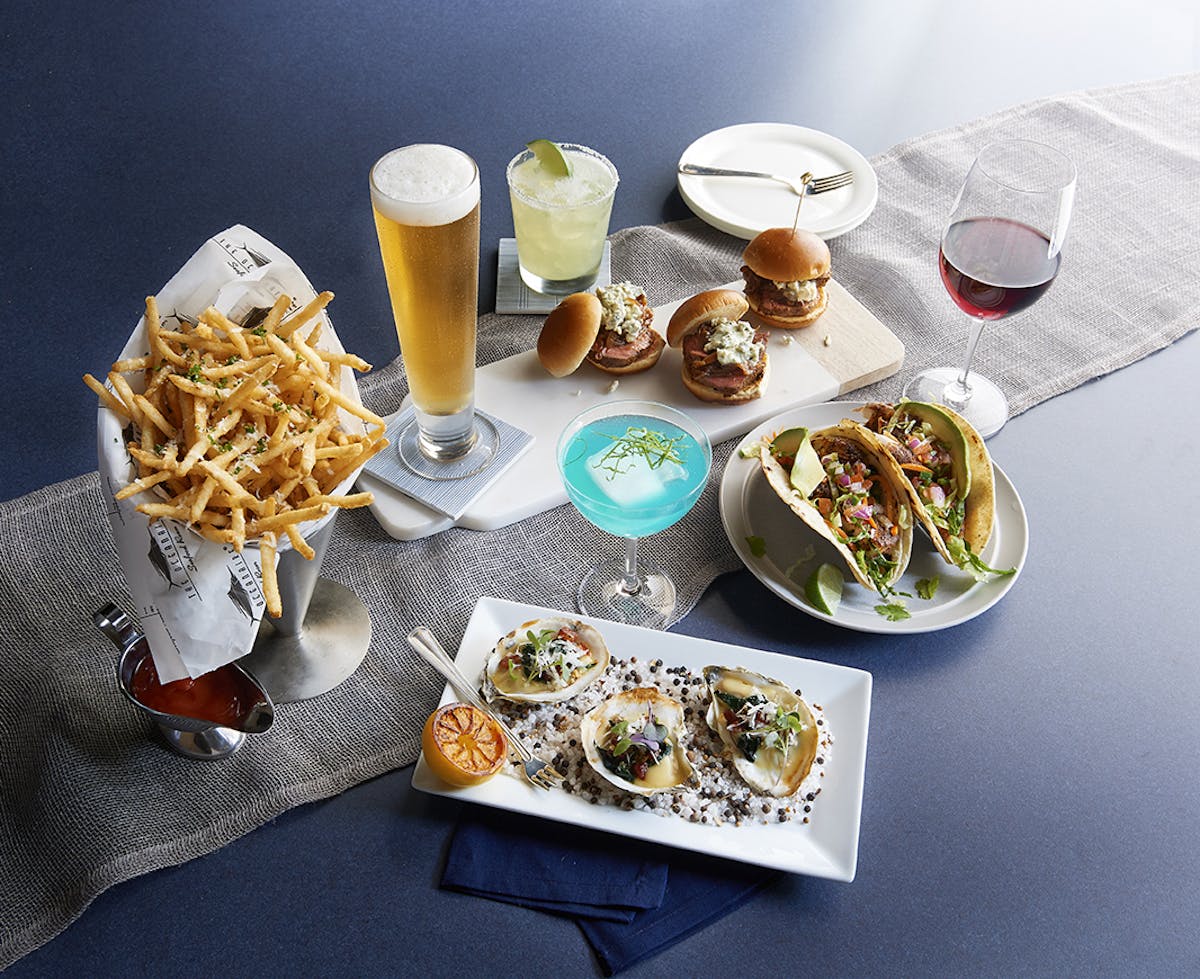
column 700, row 890
column 551, row 867
column 630, row 900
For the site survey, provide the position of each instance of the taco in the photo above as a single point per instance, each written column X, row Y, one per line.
column 842, row 484
column 948, row 476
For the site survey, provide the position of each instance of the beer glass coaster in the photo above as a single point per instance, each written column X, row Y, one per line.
column 514, row 296
column 448, row 496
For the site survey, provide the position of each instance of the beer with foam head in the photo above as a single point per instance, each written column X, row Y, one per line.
column 426, row 203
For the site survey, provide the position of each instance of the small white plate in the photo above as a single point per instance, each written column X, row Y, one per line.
column 750, row 508
column 745, row 206
column 826, row 847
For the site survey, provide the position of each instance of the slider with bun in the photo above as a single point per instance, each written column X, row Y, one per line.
column 611, row 329
column 786, row 275
column 724, row 357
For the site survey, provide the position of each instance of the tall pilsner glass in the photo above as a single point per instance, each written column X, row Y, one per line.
column 426, row 203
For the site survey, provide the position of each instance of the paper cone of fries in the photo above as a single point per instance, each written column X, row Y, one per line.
column 230, row 428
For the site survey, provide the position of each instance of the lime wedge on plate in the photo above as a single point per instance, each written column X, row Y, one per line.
column 824, row 589
column 550, row 157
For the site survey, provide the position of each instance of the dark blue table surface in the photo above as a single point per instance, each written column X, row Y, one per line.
column 1031, row 774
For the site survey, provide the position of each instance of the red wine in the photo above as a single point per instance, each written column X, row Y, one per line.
column 993, row 267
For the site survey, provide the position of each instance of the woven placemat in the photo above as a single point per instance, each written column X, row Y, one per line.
column 88, row 799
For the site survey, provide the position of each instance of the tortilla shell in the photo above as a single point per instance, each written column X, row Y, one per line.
column 981, row 500
column 888, row 471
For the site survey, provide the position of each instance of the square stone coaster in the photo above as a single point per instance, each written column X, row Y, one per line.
column 449, row 496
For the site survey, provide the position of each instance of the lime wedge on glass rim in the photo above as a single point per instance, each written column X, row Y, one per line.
column 550, row 157
column 824, row 588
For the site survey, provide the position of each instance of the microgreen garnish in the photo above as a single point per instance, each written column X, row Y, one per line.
column 652, row 446
column 927, row 587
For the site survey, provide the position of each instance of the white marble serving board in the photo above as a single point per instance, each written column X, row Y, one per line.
column 804, row 370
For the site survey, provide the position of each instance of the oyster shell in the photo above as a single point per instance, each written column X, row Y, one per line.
column 655, row 723
column 769, row 730
column 545, row 661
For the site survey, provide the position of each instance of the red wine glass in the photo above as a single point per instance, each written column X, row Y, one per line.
column 1001, row 249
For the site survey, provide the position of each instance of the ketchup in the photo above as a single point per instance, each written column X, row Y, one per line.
column 225, row 696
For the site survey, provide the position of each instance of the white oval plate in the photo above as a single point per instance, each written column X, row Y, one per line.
column 745, row 206
column 750, row 508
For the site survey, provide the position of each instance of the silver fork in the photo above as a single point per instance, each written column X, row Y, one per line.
column 805, row 184
column 538, row 772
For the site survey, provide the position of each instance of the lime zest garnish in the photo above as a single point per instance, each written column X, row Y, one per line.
column 551, row 157
column 654, row 447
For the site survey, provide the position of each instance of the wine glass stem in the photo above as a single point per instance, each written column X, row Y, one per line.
column 958, row 392
column 631, row 583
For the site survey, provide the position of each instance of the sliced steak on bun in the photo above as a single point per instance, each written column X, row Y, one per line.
column 610, row 328
column 786, row 275
column 724, row 357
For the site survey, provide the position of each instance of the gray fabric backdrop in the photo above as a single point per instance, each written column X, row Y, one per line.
column 88, row 798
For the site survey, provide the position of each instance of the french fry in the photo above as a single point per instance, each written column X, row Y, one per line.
column 111, row 401
column 270, row 582
column 299, row 544
column 348, row 501
column 143, row 483
column 154, row 415
column 298, row 319
column 342, row 401
column 281, row 520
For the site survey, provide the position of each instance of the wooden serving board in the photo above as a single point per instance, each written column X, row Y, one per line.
column 804, row 370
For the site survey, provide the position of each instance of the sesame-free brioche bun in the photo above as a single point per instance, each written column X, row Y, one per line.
column 703, row 307
column 570, row 332
column 784, row 255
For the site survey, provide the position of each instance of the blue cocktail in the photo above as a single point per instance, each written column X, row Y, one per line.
column 632, row 468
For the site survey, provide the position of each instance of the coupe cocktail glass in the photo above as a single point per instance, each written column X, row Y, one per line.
column 632, row 468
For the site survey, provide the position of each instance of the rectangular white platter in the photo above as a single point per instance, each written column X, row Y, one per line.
column 826, row 847
column 804, row 371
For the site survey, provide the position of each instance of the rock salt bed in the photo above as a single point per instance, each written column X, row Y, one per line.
column 719, row 797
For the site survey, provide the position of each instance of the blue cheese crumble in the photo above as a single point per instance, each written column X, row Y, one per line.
column 799, row 292
column 733, row 342
column 622, row 313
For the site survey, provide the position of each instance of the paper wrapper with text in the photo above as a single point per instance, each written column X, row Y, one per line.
column 199, row 602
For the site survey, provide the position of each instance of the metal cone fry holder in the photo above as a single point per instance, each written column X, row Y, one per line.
column 322, row 636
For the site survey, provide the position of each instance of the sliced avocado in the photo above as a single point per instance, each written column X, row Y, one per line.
column 946, row 431
column 807, row 471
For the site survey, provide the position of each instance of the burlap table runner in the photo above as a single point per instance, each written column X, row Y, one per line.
column 88, row 799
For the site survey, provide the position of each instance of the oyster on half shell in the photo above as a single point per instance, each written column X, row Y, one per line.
column 634, row 740
column 545, row 660
column 769, row 730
